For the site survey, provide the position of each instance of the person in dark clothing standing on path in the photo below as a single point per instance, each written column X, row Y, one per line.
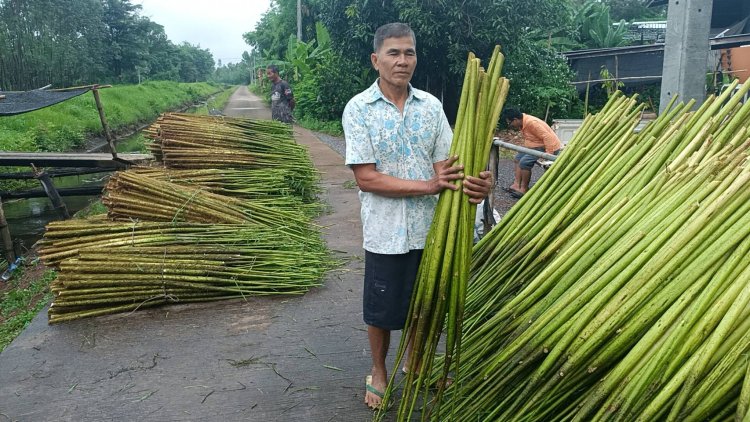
column 282, row 99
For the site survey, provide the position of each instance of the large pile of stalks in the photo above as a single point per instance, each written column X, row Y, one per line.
column 618, row 288
column 440, row 287
column 234, row 219
column 108, row 267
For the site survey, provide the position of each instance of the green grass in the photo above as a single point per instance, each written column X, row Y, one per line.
column 218, row 102
column 67, row 125
column 95, row 208
column 331, row 128
column 21, row 302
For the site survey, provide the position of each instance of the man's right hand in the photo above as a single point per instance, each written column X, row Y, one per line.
column 445, row 175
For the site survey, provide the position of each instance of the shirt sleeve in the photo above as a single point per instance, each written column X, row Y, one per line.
column 359, row 149
column 443, row 139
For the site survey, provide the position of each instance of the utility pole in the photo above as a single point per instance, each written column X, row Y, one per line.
column 299, row 20
column 686, row 51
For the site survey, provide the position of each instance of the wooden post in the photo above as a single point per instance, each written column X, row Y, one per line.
column 52, row 193
column 489, row 215
column 103, row 118
column 7, row 242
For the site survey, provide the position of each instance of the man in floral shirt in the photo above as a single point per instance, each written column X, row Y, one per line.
column 397, row 144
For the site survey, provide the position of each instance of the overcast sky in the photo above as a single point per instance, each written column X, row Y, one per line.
column 214, row 24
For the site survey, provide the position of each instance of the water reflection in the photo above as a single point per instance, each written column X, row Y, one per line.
column 28, row 217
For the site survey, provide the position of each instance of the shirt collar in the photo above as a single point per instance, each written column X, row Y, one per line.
column 374, row 93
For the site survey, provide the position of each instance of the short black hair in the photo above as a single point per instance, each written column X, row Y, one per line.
column 273, row 68
column 392, row 30
column 510, row 114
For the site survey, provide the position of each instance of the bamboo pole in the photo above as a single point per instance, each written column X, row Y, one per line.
column 107, row 133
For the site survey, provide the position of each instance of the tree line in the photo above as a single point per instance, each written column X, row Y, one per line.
column 78, row 42
column 532, row 34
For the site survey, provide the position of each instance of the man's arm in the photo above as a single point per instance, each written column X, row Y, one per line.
column 289, row 95
column 373, row 181
column 550, row 140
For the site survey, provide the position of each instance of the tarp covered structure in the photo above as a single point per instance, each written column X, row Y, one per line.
column 17, row 102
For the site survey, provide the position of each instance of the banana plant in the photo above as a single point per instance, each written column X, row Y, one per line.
column 301, row 56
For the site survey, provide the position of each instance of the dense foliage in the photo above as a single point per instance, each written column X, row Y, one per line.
column 532, row 34
column 445, row 31
column 77, row 42
column 540, row 81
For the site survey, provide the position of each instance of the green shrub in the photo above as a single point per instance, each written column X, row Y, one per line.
column 539, row 78
column 323, row 93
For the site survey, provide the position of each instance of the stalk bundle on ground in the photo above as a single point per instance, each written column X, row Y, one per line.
column 207, row 142
column 130, row 195
column 108, row 267
column 618, row 288
column 252, row 183
column 440, row 287
column 274, row 187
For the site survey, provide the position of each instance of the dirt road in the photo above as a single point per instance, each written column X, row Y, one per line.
column 260, row 359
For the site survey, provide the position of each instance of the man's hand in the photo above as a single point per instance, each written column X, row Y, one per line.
column 477, row 188
column 445, row 174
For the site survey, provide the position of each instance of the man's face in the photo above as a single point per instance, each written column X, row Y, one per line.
column 515, row 123
column 395, row 61
column 271, row 75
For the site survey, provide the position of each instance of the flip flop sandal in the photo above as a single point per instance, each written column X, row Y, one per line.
column 370, row 388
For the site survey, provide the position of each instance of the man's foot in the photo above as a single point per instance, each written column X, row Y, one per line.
column 374, row 391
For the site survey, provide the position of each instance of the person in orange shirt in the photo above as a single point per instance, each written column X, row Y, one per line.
column 537, row 135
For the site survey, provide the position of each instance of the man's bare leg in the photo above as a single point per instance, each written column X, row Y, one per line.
column 516, row 182
column 525, row 179
column 380, row 340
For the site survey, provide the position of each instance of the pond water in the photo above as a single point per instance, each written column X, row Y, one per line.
column 28, row 217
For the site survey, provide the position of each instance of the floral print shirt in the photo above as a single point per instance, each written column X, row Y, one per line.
column 403, row 146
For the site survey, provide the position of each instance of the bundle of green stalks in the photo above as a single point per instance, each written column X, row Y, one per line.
column 248, row 184
column 440, row 288
column 109, row 267
column 618, row 288
column 130, row 195
column 207, row 142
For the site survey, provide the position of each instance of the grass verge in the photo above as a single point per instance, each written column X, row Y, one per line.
column 22, row 297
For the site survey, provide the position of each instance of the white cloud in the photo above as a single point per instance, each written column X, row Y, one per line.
column 217, row 25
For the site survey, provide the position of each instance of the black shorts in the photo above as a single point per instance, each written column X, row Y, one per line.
column 389, row 281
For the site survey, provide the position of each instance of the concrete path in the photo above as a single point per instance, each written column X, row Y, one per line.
column 261, row 359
